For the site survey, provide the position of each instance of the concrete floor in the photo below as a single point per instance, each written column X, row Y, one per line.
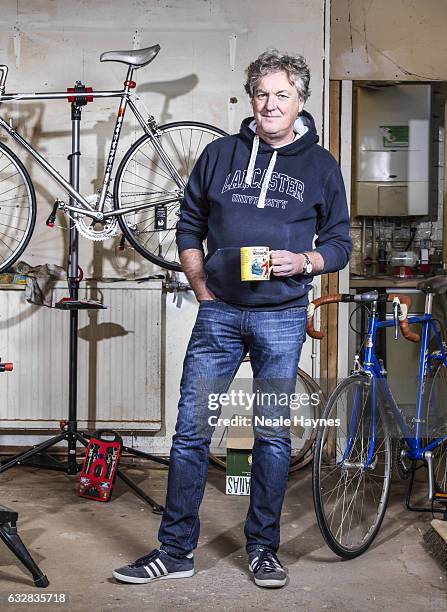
column 77, row 543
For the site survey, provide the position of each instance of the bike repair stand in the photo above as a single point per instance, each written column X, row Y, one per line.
column 37, row 455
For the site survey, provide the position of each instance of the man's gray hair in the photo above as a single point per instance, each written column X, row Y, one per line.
column 273, row 61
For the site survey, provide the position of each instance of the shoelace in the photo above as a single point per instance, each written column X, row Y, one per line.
column 268, row 561
column 145, row 559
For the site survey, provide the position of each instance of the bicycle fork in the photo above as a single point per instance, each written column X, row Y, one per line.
column 371, row 460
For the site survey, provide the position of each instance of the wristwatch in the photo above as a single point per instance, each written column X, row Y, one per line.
column 308, row 267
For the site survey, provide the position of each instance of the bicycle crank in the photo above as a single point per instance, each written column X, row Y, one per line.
column 93, row 229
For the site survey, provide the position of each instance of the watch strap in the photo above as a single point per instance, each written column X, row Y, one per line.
column 308, row 266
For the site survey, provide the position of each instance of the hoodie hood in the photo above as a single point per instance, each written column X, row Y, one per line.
column 305, row 136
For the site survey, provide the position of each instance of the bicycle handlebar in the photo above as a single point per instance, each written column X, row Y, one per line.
column 404, row 301
column 6, row 366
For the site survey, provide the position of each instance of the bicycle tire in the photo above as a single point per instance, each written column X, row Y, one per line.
column 142, row 174
column 330, row 457
column 304, row 455
column 16, row 194
column 435, row 424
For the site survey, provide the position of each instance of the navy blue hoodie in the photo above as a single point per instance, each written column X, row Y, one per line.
column 244, row 192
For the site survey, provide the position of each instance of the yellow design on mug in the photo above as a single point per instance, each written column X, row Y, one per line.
column 255, row 263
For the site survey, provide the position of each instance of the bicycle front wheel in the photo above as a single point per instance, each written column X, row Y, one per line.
column 352, row 467
column 17, row 208
column 143, row 178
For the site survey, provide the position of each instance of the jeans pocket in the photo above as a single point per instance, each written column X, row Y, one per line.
column 206, row 302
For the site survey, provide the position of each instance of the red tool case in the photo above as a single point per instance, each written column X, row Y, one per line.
column 100, row 465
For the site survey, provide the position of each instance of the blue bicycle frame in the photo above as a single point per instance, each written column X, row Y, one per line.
column 372, row 368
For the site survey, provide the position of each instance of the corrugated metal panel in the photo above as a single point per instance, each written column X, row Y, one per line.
column 119, row 365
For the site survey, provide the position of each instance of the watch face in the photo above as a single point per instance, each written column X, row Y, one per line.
column 308, row 268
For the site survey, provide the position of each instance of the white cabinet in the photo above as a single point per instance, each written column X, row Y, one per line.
column 393, row 149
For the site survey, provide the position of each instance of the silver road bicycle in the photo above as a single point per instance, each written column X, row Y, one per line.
column 147, row 189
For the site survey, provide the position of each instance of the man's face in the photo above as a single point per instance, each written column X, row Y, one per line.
column 275, row 106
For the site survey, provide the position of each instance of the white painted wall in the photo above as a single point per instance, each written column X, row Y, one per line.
column 390, row 40
column 205, row 47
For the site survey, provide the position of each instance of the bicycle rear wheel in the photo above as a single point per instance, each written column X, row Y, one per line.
column 435, row 424
column 143, row 178
column 17, row 208
column 302, row 437
column 350, row 499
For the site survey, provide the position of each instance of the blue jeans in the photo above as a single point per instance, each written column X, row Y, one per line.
column 220, row 339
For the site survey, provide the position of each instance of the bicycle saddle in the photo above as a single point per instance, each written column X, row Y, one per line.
column 137, row 58
column 435, row 284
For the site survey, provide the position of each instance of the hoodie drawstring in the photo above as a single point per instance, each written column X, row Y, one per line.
column 251, row 163
column 266, row 181
column 268, row 174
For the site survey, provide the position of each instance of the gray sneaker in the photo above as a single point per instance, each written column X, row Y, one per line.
column 267, row 569
column 157, row 565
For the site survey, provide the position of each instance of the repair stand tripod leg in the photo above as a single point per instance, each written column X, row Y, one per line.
column 35, row 450
column 156, row 508
column 9, row 535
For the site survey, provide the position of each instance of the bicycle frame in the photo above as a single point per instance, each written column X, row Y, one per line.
column 85, row 208
column 372, row 368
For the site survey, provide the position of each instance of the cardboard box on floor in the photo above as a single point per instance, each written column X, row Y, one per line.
column 239, row 448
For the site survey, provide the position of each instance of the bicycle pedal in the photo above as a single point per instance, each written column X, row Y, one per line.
column 440, row 496
column 51, row 221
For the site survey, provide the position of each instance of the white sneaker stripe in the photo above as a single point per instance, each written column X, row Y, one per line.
column 162, row 566
column 155, row 568
column 149, row 573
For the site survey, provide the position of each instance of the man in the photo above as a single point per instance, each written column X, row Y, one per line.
column 270, row 185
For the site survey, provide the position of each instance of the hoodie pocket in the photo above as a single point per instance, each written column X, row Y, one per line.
column 223, row 270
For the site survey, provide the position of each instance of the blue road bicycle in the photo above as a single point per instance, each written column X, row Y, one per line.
column 364, row 430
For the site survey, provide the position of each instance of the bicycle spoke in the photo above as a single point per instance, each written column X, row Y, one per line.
column 163, row 170
column 198, row 147
column 5, row 234
column 184, row 154
column 150, row 171
column 15, row 199
column 6, row 245
column 182, row 165
column 188, row 169
column 8, row 190
column 141, row 178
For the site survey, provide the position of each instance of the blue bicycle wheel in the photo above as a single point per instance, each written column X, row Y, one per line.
column 352, row 467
